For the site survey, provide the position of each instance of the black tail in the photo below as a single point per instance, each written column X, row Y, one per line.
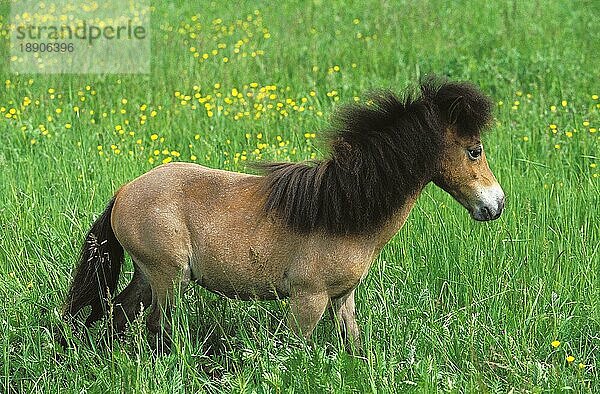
column 97, row 272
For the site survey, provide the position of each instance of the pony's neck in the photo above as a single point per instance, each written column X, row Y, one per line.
column 391, row 226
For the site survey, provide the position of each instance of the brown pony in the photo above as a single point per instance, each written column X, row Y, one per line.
column 304, row 231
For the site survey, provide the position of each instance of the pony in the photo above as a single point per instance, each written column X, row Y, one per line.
column 305, row 231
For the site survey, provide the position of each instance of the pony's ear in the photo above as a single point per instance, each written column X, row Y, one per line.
column 461, row 104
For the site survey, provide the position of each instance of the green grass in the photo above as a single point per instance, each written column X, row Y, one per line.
column 450, row 304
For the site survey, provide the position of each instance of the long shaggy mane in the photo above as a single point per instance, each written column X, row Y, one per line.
column 380, row 153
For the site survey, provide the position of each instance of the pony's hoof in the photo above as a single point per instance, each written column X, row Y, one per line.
column 160, row 344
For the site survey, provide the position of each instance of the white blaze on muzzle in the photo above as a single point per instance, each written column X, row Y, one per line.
column 489, row 203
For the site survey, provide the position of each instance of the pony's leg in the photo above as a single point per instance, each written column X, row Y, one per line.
column 130, row 302
column 164, row 282
column 344, row 314
column 306, row 309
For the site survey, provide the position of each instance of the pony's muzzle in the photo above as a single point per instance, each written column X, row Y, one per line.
column 490, row 204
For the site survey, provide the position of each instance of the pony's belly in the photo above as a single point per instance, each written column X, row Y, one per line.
column 245, row 294
column 240, row 281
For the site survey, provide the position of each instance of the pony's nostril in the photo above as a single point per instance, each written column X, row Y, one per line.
column 486, row 213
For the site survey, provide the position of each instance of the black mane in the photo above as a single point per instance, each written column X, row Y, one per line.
column 380, row 153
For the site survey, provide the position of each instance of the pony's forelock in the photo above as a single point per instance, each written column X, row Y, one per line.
column 460, row 103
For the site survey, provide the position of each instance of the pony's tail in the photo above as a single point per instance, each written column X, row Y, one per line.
column 97, row 272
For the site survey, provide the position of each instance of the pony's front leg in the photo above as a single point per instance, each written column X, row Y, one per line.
column 306, row 309
column 344, row 314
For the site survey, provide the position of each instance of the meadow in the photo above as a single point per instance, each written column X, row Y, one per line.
column 450, row 305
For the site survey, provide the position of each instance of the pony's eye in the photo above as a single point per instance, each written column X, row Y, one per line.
column 475, row 153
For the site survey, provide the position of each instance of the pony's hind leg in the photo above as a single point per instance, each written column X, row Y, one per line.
column 344, row 314
column 165, row 283
column 130, row 302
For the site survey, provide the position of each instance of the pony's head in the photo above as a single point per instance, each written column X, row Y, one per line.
column 382, row 153
column 461, row 168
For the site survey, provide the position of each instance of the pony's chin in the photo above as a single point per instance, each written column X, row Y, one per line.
column 479, row 218
column 485, row 214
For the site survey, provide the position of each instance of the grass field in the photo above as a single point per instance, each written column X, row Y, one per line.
column 450, row 305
